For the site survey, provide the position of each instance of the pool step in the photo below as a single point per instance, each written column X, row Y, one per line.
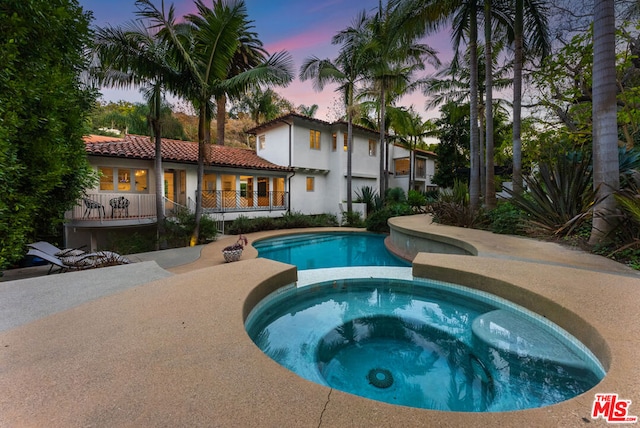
column 512, row 334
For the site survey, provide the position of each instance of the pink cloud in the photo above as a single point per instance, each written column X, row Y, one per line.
column 306, row 40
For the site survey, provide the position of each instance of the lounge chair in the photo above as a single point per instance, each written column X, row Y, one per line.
column 74, row 259
column 65, row 263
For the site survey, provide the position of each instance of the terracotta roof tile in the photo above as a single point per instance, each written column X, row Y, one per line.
column 141, row 147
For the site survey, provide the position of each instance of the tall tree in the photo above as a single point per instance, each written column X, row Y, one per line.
column 134, row 56
column 393, row 55
column 538, row 44
column 250, row 54
column 606, row 176
column 465, row 24
column 43, row 110
column 204, row 46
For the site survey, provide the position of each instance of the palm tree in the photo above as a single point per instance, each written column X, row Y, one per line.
column 410, row 130
column 465, row 22
column 538, row 44
column 250, row 54
column 392, row 56
column 135, row 56
column 205, row 46
column 606, row 176
column 308, row 110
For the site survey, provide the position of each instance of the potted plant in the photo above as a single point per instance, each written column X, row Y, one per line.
column 233, row 252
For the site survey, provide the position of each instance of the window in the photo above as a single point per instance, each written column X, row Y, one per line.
column 421, row 168
column 402, row 166
column 141, row 176
column 106, row 178
column 310, row 184
column 314, row 139
column 262, row 141
column 123, row 179
column 345, row 144
column 334, row 142
column 372, row 147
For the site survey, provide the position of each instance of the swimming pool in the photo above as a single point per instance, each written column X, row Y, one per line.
column 328, row 250
column 421, row 343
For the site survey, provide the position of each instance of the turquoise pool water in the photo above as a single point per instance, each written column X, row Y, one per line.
column 423, row 344
column 327, row 250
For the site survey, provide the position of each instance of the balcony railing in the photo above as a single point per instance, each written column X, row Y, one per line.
column 219, row 201
column 111, row 207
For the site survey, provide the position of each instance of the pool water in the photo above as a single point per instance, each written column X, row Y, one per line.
column 327, row 250
column 422, row 343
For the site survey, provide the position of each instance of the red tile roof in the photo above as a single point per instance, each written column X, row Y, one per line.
column 141, row 147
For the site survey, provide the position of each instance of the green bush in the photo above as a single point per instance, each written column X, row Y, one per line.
column 293, row 220
column 377, row 221
column 416, row 200
column 367, row 195
column 506, row 219
column 178, row 229
column 352, row 219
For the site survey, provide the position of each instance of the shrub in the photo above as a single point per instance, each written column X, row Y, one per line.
column 367, row 195
column 559, row 195
column 178, row 229
column 416, row 200
column 452, row 208
column 506, row 219
column 292, row 220
column 352, row 219
column 378, row 220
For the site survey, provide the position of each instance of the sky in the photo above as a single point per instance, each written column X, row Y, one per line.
column 301, row 27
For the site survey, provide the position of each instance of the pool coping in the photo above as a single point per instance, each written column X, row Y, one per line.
column 174, row 351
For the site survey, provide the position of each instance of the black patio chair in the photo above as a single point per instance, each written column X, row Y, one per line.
column 90, row 205
column 120, row 204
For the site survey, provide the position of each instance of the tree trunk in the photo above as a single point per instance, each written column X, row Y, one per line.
column 161, row 242
column 203, row 137
column 474, row 184
column 490, row 195
column 383, row 188
column 606, row 175
column 221, row 117
column 349, row 159
column 517, row 96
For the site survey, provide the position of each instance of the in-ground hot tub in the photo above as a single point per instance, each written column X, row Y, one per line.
column 421, row 343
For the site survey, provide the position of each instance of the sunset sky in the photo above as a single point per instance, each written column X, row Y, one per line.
column 300, row 27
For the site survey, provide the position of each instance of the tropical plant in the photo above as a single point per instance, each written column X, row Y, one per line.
column 367, row 195
column 345, row 71
column 132, row 56
column 392, row 57
column 559, row 195
column 453, row 207
column 205, row 46
column 538, row 45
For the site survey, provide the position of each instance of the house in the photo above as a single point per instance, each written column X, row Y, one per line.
column 236, row 182
column 418, row 164
column 299, row 165
column 316, row 151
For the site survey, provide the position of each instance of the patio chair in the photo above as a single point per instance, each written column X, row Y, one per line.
column 52, row 250
column 65, row 263
column 120, row 204
column 91, row 205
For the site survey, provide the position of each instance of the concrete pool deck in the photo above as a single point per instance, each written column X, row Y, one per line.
column 173, row 351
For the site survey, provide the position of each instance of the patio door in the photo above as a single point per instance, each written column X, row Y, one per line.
column 174, row 188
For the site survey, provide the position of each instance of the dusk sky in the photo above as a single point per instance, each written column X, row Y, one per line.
column 303, row 28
